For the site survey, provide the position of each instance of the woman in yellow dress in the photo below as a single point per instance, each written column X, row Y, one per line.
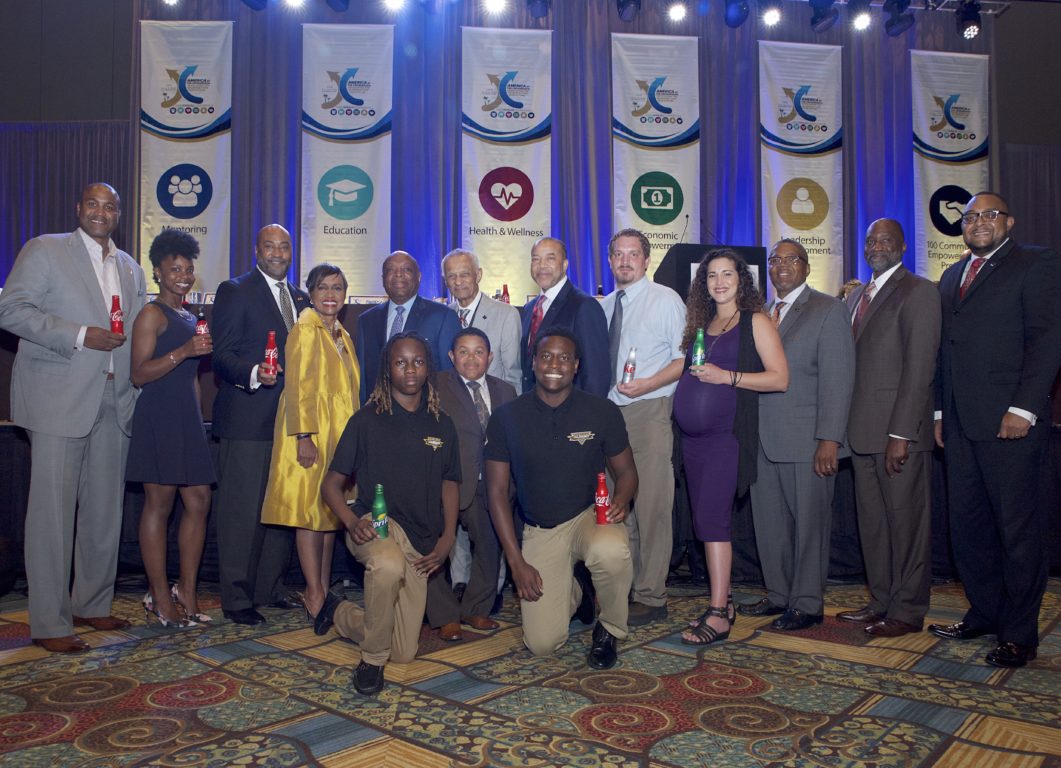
column 321, row 383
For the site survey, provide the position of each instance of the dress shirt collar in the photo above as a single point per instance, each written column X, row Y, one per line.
column 790, row 299
column 95, row 250
column 879, row 282
column 550, row 295
column 634, row 290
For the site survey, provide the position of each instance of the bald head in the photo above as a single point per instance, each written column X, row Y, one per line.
column 98, row 211
column 885, row 245
column 401, row 277
column 548, row 262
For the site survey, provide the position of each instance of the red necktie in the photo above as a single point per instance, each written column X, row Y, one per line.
column 536, row 322
column 863, row 305
column 974, row 269
column 777, row 313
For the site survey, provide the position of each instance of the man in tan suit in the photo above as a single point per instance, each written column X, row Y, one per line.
column 896, row 325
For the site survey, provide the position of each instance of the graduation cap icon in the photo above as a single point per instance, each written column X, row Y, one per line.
column 343, row 191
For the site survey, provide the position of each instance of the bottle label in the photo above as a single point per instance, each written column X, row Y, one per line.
column 698, row 357
column 117, row 321
column 380, row 524
column 201, row 328
column 628, row 372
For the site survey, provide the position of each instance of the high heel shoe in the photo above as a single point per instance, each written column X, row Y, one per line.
column 704, row 633
column 198, row 618
column 731, row 614
column 149, row 608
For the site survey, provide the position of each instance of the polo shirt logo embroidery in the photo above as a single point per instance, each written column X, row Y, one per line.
column 581, row 437
column 434, row 442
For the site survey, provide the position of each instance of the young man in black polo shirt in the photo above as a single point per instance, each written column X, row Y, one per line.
column 401, row 440
column 552, row 442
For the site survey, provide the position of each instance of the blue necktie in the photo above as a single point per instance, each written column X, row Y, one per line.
column 398, row 324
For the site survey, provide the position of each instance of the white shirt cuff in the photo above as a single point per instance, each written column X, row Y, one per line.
column 937, row 415
column 254, row 379
column 80, row 343
column 1023, row 414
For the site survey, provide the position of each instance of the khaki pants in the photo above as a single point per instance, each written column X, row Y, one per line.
column 388, row 627
column 554, row 552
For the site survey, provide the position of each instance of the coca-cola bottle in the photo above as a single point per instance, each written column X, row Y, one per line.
column 117, row 316
column 272, row 356
column 201, row 328
column 601, row 501
column 630, row 366
column 504, row 294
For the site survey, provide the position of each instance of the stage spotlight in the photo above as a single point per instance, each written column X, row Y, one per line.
column 171, row 2
column 339, row 5
column 898, row 19
column 676, row 12
column 825, row 15
column 628, row 9
column 256, row 5
column 969, row 19
column 858, row 11
column 393, row 5
column 294, row 3
column 495, row 7
column 538, row 9
column 771, row 12
column 736, row 13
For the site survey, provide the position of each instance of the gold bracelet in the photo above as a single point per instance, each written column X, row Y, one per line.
column 172, row 359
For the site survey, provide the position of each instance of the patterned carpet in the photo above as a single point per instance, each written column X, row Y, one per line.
column 277, row 695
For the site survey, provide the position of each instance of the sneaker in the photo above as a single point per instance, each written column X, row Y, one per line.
column 368, row 679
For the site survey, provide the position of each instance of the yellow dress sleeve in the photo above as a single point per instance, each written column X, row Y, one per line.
column 301, row 378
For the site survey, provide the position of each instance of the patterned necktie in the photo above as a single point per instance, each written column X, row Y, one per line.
column 399, row 323
column 974, row 269
column 285, row 305
column 480, row 405
column 863, row 304
column 536, row 322
column 777, row 312
column 615, row 330
column 464, row 316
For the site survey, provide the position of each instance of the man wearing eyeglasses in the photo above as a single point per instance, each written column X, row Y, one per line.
column 1000, row 354
column 802, row 435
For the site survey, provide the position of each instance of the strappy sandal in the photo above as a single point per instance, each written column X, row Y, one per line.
column 704, row 633
column 731, row 614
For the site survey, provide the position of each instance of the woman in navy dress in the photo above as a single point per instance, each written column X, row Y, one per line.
column 716, row 408
column 168, row 451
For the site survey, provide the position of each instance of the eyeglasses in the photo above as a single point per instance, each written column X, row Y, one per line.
column 788, row 261
column 989, row 215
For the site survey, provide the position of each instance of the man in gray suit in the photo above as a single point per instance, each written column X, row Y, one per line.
column 70, row 391
column 896, row 325
column 801, row 438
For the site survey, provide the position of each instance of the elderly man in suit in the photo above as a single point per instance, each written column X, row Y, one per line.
column 561, row 305
column 252, row 557
column 468, row 394
column 70, row 391
column 802, row 435
column 896, row 326
column 404, row 311
column 1000, row 354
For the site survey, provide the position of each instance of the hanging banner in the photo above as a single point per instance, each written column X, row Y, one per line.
column 951, row 120
column 801, row 148
column 185, row 138
column 656, row 138
column 347, row 90
column 506, row 119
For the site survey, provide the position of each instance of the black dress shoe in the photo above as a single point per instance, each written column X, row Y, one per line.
column 368, row 679
column 322, row 622
column 602, row 654
column 862, row 616
column 760, row 608
column 587, row 609
column 285, row 604
column 247, row 616
column 959, row 630
column 793, row 620
column 1011, row 655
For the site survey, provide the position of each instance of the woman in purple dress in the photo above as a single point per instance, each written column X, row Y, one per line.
column 168, row 451
column 717, row 410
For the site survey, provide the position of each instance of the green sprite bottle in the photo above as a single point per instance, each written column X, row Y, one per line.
column 698, row 356
column 379, row 513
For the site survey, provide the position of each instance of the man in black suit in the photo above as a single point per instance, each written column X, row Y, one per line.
column 561, row 305
column 252, row 557
column 469, row 395
column 404, row 311
column 1000, row 353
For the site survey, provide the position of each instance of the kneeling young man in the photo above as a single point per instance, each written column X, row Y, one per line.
column 552, row 441
column 401, row 440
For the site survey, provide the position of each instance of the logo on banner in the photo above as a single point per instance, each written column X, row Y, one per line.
column 506, row 98
column 654, row 97
column 797, row 110
column 184, row 191
column 948, row 118
column 802, row 203
column 945, row 208
column 344, row 192
column 657, row 197
column 506, row 193
column 344, row 87
column 184, row 85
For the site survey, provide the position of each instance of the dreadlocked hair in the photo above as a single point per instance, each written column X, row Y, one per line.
column 701, row 308
column 381, row 395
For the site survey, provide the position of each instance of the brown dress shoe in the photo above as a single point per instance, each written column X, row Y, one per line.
column 891, row 628
column 480, row 622
column 862, row 616
column 68, row 644
column 105, row 623
column 450, row 632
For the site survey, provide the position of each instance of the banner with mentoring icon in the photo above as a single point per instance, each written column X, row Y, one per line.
column 951, row 122
column 186, row 138
column 656, row 137
column 347, row 92
column 801, row 147
column 506, row 117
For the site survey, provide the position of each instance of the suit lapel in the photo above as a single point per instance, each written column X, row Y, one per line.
column 463, row 395
column 416, row 314
column 266, row 298
column 988, row 269
column 794, row 313
column 879, row 298
column 557, row 304
column 87, row 272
